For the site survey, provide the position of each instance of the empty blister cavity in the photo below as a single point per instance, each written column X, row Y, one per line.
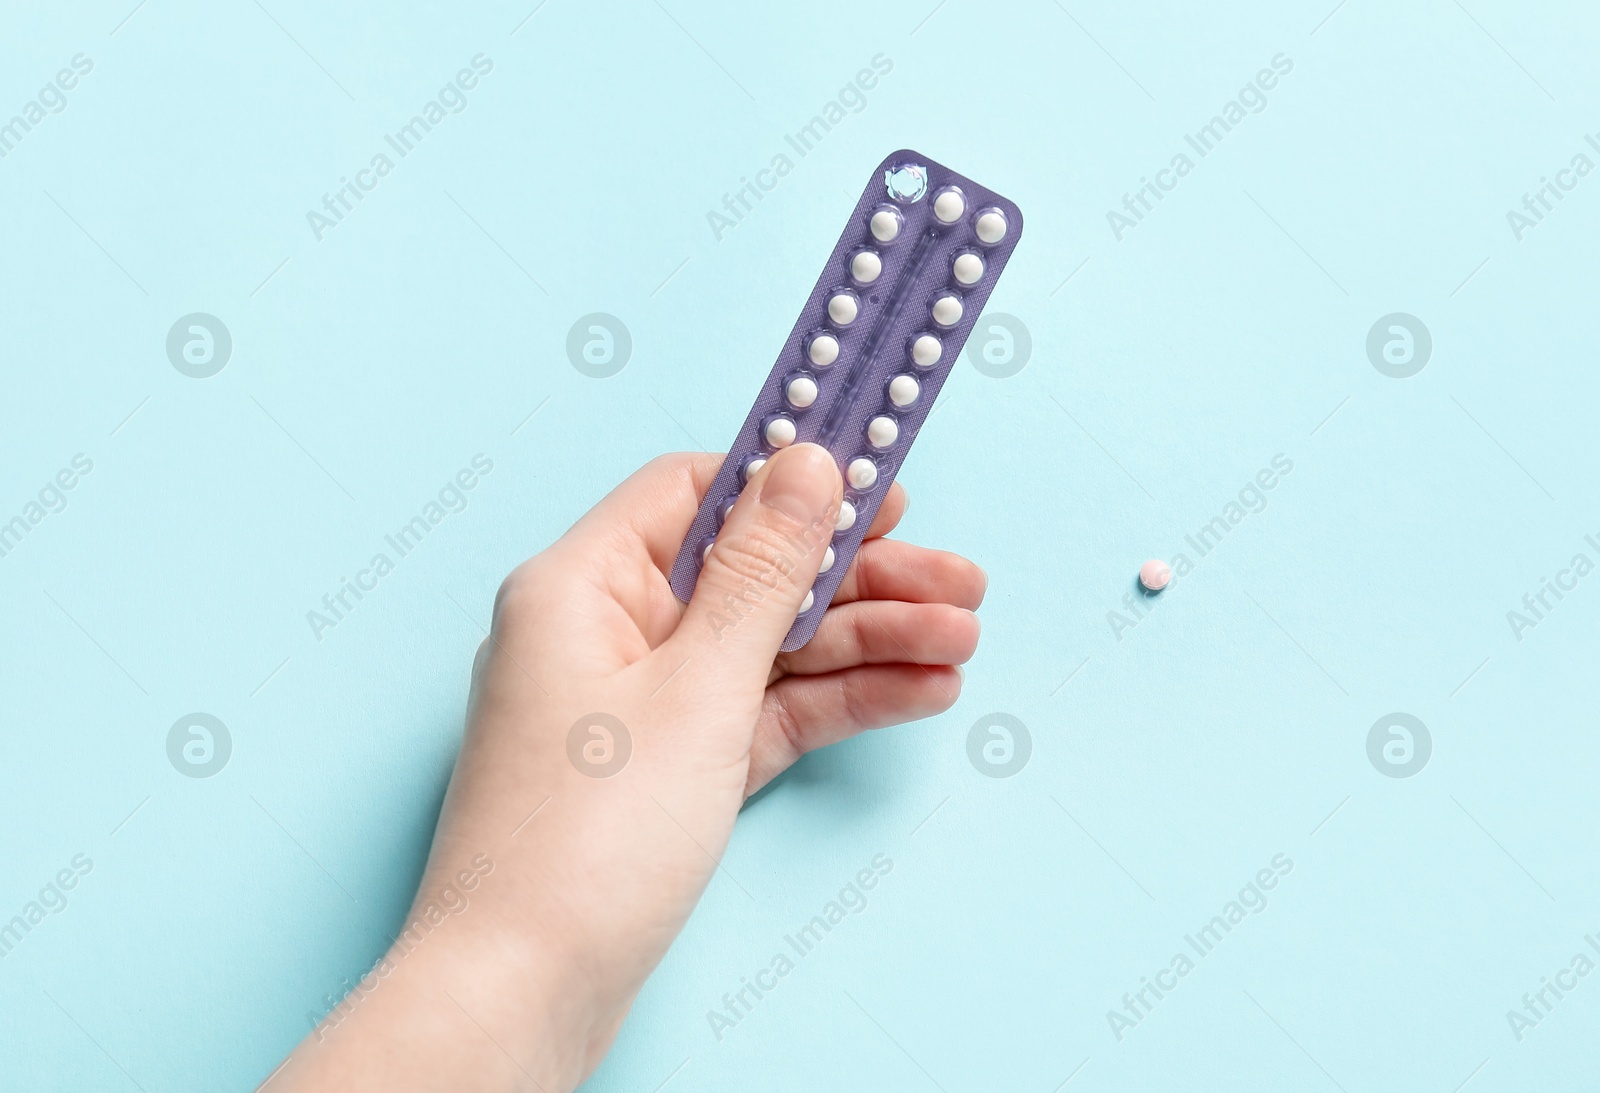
column 779, row 431
column 883, row 431
column 903, row 391
column 990, row 225
column 949, row 205
column 843, row 307
column 801, row 391
column 947, row 309
column 925, row 350
column 822, row 350
column 866, row 267
column 907, row 182
column 885, row 223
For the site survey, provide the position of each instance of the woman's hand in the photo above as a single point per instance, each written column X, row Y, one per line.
column 612, row 736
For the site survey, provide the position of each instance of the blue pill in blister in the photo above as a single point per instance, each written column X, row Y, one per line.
column 861, row 369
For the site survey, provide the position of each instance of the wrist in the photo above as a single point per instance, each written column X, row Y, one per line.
column 514, row 981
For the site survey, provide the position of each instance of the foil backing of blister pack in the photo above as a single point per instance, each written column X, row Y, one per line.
column 953, row 239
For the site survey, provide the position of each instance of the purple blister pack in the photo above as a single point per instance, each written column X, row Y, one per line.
column 859, row 372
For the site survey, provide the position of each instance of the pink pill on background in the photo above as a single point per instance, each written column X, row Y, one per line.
column 1155, row 574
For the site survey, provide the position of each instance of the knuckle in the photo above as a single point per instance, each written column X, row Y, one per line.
column 854, row 703
column 519, row 598
column 667, row 463
column 861, row 568
column 761, row 559
column 790, row 730
column 862, row 638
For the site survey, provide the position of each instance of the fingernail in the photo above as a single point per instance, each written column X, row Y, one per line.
column 801, row 481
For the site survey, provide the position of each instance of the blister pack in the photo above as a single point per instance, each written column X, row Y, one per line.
column 860, row 370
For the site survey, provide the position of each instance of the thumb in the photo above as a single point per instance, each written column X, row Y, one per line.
column 762, row 564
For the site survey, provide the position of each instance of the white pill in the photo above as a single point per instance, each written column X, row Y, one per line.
column 885, row 225
column 866, row 266
column 903, row 390
column 847, row 517
column 947, row 310
column 801, row 392
column 949, row 206
column 968, row 268
column 991, row 226
column 780, row 432
column 726, row 507
column 823, row 350
column 827, row 561
column 882, row 432
column 925, row 350
column 705, row 551
column 806, row 604
column 842, row 307
column 862, row 473
column 753, row 466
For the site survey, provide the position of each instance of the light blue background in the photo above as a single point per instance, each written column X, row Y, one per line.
column 1228, row 726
